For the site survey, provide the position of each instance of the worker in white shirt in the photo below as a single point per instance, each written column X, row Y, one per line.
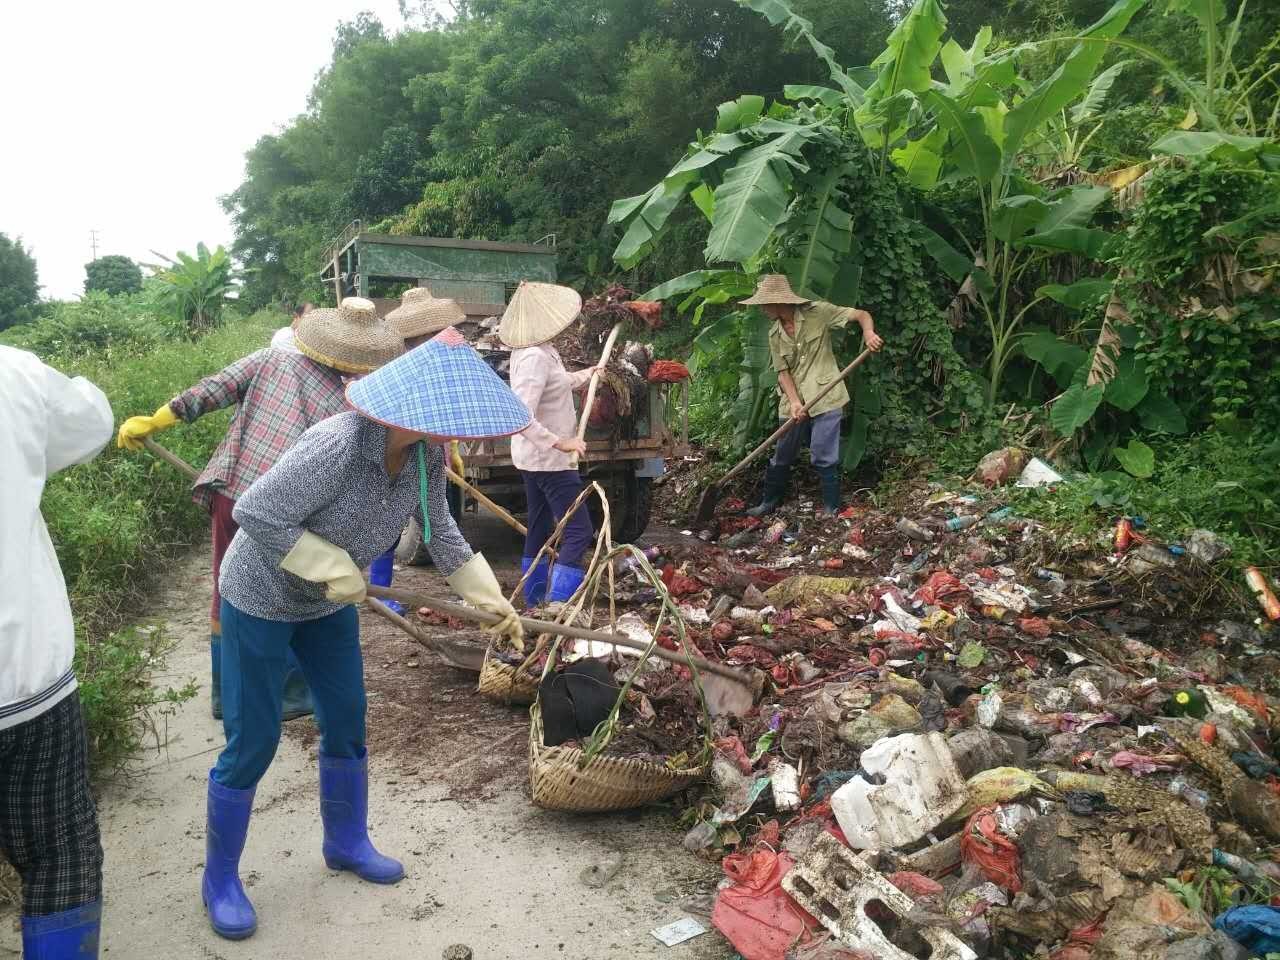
column 283, row 338
column 49, row 825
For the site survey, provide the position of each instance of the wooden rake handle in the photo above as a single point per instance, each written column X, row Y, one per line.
column 605, row 356
column 789, row 424
column 410, row 599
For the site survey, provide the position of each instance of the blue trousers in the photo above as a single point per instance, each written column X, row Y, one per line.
column 254, row 664
column 550, row 494
column 820, row 433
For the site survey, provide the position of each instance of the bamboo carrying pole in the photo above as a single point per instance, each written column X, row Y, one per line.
column 605, row 356
column 706, row 505
column 408, row 598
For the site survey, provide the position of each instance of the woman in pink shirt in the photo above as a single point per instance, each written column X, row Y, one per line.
column 537, row 314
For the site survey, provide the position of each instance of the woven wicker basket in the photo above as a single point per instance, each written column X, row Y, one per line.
column 504, row 683
column 558, row 782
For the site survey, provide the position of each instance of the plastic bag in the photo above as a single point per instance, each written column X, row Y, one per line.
column 755, row 914
column 984, row 846
column 1257, row 928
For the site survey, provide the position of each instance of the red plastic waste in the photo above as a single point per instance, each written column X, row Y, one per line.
column 915, row 885
column 1035, row 627
column 984, row 846
column 732, row 746
column 754, row 913
column 667, row 371
column 944, row 590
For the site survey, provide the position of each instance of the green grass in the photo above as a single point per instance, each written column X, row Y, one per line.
column 118, row 521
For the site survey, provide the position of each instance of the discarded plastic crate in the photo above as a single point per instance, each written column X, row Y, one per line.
column 835, row 885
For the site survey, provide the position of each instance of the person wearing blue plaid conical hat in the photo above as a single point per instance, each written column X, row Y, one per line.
column 308, row 527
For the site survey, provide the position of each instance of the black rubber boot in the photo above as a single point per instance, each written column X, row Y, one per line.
column 775, row 491
column 830, row 477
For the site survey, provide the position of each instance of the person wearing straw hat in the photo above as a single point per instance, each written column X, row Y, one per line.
column 337, row 499
column 801, row 351
column 536, row 315
column 279, row 394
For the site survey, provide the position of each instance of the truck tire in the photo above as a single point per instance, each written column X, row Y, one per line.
column 630, row 502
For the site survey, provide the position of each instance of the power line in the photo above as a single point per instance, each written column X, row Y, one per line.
column 93, row 242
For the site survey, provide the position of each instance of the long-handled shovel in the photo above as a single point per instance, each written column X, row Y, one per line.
column 727, row 690
column 707, row 502
column 465, row 656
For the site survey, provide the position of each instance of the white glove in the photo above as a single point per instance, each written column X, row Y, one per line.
column 316, row 559
column 475, row 583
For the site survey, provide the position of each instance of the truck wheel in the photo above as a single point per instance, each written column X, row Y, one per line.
column 630, row 500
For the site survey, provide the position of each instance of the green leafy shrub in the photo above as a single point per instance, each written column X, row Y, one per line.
column 117, row 520
column 98, row 324
column 1206, row 312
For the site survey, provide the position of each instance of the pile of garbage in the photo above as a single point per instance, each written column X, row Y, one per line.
column 973, row 739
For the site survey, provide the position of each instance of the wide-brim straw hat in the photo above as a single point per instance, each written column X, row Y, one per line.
column 538, row 312
column 421, row 315
column 773, row 288
column 350, row 337
column 442, row 388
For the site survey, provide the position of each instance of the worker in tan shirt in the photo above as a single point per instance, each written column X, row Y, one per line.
column 801, row 351
column 543, row 453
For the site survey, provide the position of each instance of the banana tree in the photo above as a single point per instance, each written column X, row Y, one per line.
column 195, row 289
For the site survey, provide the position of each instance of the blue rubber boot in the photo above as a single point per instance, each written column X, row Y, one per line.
column 230, row 912
column 535, row 588
column 381, row 572
column 69, row 935
column 564, row 583
column 344, row 810
column 215, row 674
column 297, row 695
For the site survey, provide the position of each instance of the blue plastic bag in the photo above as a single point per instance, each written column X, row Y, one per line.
column 1256, row 928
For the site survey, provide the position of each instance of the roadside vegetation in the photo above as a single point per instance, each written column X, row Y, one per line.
column 118, row 521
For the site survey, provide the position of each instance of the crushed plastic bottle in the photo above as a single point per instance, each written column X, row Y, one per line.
column 1197, row 798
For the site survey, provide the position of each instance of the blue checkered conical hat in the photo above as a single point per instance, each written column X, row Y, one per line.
column 442, row 388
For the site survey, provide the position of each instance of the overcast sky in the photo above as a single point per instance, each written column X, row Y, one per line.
column 132, row 117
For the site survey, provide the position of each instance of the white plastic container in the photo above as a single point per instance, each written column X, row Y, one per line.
column 922, row 788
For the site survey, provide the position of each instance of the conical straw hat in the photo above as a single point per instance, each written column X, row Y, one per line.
column 350, row 337
column 537, row 313
column 773, row 288
column 442, row 388
column 420, row 314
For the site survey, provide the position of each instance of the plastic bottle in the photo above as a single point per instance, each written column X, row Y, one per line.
column 1197, row 798
column 962, row 523
column 914, row 530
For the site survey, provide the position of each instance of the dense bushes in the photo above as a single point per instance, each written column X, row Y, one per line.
column 116, row 521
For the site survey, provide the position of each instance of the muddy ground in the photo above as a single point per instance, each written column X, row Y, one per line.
column 448, row 796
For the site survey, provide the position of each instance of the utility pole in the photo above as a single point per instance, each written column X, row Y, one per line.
column 93, row 242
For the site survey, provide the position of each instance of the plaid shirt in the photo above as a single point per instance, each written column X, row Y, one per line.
column 280, row 396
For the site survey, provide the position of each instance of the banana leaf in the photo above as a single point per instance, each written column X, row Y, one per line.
column 752, row 200
column 828, row 236
column 1069, row 81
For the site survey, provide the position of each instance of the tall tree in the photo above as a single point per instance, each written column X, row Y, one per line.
column 112, row 274
column 19, row 286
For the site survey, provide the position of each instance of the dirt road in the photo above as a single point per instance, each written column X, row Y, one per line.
column 448, row 796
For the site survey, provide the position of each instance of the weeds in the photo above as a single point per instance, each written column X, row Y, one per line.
column 117, row 520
